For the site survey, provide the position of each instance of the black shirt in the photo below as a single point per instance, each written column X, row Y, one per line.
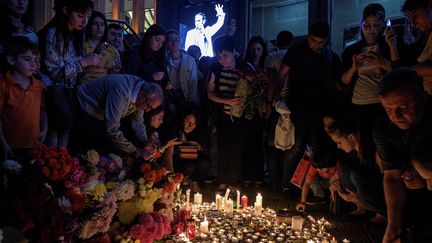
column 395, row 146
column 310, row 77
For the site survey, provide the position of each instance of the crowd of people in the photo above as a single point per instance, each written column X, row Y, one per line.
column 74, row 84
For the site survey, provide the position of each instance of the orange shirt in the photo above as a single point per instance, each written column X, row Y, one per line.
column 20, row 111
column 326, row 173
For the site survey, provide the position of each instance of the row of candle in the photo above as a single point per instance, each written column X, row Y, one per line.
column 219, row 200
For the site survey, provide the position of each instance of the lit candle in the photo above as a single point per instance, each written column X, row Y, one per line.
column 259, row 199
column 218, row 202
column 229, row 207
column 187, row 199
column 333, row 240
column 204, row 226
column 238, row 199
column 198, row 198
column 257, row 208
column 226, row 194
column 345, row 241
column 244, row 201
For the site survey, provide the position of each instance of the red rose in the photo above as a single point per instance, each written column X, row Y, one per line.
column 160, row 172
column 46, row 171
column 62, row 151
column 145, row 167
column 52, row 163
column 150, row 176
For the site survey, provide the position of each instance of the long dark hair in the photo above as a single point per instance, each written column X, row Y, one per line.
column 376, row 10
column 61, row 24
column 147, row 55
column 89, row 27
column 7, row 27
column 248, row 56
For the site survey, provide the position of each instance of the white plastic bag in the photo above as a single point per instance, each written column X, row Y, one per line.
column 284, row 132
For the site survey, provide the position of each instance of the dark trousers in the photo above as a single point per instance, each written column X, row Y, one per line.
column 366, row 183
column 308, row 131
column 197, row 169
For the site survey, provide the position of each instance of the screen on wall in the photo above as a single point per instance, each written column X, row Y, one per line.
column 200, row 24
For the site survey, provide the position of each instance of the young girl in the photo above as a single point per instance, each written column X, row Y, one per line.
column 96, row 42
column 256, row 52
column 361, row 180
column 63, row 60
column 149, row 60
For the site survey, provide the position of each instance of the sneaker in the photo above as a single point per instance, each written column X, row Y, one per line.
column 312, row 200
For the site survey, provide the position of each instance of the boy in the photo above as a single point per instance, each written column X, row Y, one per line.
column 22, row 117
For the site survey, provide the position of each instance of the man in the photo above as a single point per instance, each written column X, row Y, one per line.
column 107, row 100
column 419, row 14
column 115, row 36
column 308, row 67
column 202, row 36
column 274, row 59
column 182, row 70
column 408, row 121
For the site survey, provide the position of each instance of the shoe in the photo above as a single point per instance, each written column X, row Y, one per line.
column 312, row 200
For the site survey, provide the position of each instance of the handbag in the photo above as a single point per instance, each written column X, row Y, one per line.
column 300, row 173
column 284, row 132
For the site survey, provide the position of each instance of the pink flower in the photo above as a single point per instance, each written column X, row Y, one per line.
column 146, row 220
column 138, row 231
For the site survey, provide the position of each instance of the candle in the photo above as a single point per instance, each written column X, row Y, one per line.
column 333, row 240
column 226, row 195
column 238, row 199
column 257, row 208
column 187, row 198
column 259, row 199
column 218, row 202
column 204, row 226
column 229, row 207
column 244, row 201
column 198, row 198
column 345, row 241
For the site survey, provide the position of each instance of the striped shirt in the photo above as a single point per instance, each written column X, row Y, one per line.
column 225, row 85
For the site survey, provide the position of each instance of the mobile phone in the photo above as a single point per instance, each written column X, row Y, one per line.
column 389, row 23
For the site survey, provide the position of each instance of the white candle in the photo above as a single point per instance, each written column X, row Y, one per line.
column 198, row 198
column 333, row 240
column 229, row 207
column 345, row 241
column 257, row 208
column 218, row 202
column 187, row 199
column 204, row 226
column 227, row 194
column 238, row 199
column 259, row 199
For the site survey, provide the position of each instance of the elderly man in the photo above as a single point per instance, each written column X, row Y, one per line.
column 408, row 121
column 107, row 100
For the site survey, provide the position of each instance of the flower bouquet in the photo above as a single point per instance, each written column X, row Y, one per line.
column 250, row 88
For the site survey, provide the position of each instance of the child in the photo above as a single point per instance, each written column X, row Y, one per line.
column 23, row 119
column 324, row 164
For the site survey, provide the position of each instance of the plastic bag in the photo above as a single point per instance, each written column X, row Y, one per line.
column 284, row 133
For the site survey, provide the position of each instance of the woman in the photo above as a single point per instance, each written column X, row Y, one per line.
column 96, row 33
column 256, row 52
column 15, row 22
column 364, row 63
column 362, row 182
column 149, row 60
column 63, row 60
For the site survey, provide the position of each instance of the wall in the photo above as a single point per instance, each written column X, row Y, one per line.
column 271, row 17
column 347, row 13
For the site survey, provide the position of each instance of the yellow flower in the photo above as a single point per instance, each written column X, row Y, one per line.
column 99, row 191
column 144, row 205
column 110, row 185
column 127, row 212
